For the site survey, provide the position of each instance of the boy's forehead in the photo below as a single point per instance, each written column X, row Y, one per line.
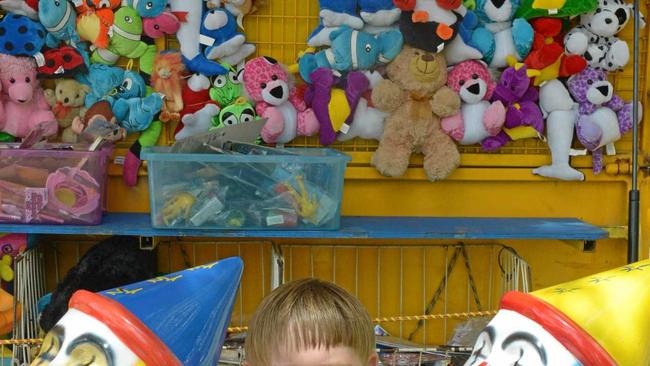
column 336, row 356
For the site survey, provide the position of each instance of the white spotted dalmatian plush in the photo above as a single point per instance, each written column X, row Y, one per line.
column 595, row 38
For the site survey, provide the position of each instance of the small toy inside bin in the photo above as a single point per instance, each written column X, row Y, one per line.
column 52, row 184
column 295, row 189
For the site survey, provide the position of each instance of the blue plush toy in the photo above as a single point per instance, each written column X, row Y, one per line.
column 136, row 114
column 133, row 86
column 335, row 13
column 21, row 36
column 379, row 13
column 221, row 39
column 60, row 20
column 369, row 51
column 500, row 36
column 148, row 8
column 103, row 81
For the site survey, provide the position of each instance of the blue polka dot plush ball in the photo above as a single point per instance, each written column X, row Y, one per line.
column 21, row 36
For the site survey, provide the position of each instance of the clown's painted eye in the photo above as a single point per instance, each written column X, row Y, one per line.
column 51, row 346
column 149, row 5
column 274, row 77
column 475, row 76
column 90, row 350
column 12, row 80
column 263, row 85
column 368, row 48
column 128, row 19
column 219, row 81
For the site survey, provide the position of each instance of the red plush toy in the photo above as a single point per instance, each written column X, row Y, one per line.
column 198, row 109
column 547, row 55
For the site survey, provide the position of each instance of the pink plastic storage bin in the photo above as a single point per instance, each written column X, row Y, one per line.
column 52, row 185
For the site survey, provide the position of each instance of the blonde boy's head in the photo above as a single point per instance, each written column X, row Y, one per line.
column 305, row 315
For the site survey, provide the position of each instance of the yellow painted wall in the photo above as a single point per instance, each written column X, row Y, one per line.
column 393, row 278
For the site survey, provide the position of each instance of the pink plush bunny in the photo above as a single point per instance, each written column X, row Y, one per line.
column 25, row 106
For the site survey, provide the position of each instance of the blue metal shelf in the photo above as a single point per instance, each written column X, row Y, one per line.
column 395, row 228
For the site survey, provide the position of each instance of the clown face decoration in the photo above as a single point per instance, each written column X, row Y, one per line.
column 514, row 340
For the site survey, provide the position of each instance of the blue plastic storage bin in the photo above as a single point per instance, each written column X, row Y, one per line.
column 246, row 192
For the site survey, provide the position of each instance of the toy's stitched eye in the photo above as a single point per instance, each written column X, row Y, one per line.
column 461, row 83
column 475, row 76
column 12, row 80
column 368, row 48
column 590, row 82
column 149, row 5
column 57, row 3
column 6, row 249
column 28, row 80
column 263, row 85
column 219, row 81
column 127, row 84
column 156, row 27
column 274, row 77
column 232, row 76
column 248, row 115
column 230, row 119
column 128, row 19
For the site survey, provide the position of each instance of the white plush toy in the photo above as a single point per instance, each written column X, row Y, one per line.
column 458, row 50
column 478, row 118
column 595, row 38
column 561, row 115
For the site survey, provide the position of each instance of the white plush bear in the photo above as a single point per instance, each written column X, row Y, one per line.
column 595, row 38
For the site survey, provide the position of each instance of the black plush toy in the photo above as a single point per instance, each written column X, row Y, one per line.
column 113, row 262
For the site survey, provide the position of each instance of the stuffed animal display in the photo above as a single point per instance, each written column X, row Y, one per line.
column 168, row 79
column 68, row 102
column 199, row 110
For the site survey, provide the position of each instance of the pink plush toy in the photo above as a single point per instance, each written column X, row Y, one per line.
column 269, row 85
column 25, row 106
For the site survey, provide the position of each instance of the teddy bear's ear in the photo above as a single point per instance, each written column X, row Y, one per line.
column 85, row 88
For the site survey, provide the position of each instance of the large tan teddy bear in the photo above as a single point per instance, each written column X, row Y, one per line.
column 416, row 97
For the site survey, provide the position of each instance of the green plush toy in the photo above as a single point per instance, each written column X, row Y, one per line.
column 126, row 34
column 555, row 8
column 227, row 88
column 241, row 111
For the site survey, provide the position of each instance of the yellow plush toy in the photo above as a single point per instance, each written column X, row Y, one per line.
column 67, row 102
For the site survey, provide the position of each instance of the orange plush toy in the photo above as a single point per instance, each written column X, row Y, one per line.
column 168, row 79
column 7, row 312
column 547, row 55
column 94, row 21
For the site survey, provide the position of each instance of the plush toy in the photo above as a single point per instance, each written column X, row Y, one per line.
column 547, row 55
column 227, row 88
column 25, row 106
column 102, row 80
column 353, row 50
column 132, row 86
column 94, row 22
column 429, row 25
column 126, row 41
column 61, row 62
column 561, row 114
column 113, row 262
column 221, row 39
column 167, row 23
column 342, row 106
column 198, row 110
column 478, row 118
column 136, row 114
column 168, row 79
column 379, row 13
column 523, row 117
column 21, row 36
column 603, row 117
column 28, row 8
column 239, row 8
column 269, row 86
column 416, row 98
column 502, row 35
column 189, row 38
column 147, row 8
column 336, row 13
column 60, row 20
column 68, row 102
column 595, row 37
column 555, row 8
column 100, row 114
column 241, row 111
column 462, row 48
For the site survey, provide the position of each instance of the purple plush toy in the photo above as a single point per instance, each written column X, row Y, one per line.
column 334, row 101
column 524, row 118
column 603, row 116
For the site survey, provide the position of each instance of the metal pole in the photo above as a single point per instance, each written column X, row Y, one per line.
column 633, row 219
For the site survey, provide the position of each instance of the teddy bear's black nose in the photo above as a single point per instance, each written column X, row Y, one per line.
column 474, row 89
column 427, row 57
column 621, row 14
column 498, row 3
column 604, row 90
column 277, row 92
column 609, row 21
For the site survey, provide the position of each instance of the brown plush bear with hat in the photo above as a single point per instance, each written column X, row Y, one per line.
column 416, row 96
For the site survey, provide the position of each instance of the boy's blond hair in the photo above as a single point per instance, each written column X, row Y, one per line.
column 308, row 314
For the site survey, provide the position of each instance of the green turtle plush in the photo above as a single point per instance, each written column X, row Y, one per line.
column 227, row 88
column 126, row 34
